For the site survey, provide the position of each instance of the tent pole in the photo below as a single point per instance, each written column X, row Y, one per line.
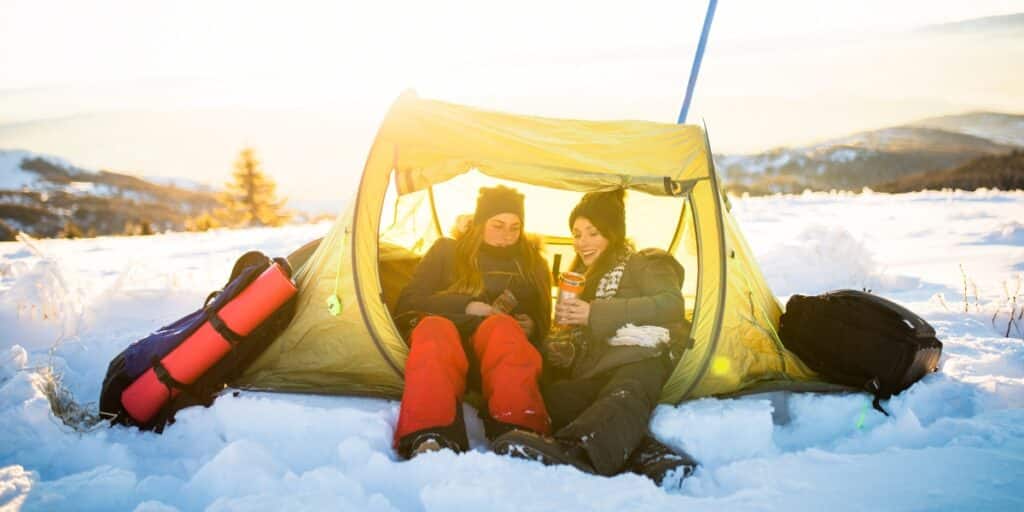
column 695, row 69
column 433, row 212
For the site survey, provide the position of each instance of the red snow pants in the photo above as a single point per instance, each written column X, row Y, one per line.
column 435, row 376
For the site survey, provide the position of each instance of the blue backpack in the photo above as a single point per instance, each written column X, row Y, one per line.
column 146, row 353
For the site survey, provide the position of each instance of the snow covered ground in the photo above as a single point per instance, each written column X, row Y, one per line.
column 954, row 441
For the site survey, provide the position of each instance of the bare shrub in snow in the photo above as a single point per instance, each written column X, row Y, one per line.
column 1014, row 304
column 974, row 288
column 81, row 418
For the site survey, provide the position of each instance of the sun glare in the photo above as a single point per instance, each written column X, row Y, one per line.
column 775, row 73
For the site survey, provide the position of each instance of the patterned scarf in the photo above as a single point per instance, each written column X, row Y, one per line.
column 607, row 287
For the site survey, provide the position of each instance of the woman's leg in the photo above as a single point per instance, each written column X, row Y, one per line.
column 612, row 427
column 567, row 399
column 509, row 372
column 435, row 380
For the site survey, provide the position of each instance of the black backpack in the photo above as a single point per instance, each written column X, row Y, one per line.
column 860, row 340
column 143, row 354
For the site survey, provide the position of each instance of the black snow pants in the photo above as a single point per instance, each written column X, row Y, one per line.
column 607, row 414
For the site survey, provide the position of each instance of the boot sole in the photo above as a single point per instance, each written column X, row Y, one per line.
column 527, row 452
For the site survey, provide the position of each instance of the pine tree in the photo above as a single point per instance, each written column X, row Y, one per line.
column 202, row 222
column 250, row 199
column 71, row 230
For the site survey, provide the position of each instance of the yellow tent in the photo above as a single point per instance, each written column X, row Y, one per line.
column 422, row 173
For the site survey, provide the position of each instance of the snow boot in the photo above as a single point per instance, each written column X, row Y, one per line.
column 431, row 442
column 546, row 450
column 665, row 466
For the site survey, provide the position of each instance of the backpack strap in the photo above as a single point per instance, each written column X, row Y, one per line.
column 166, row 379
column 222, row 328
column 875, row 388
column 872, row 386
column 249, row 259
column 285, row 266
column 189, row 395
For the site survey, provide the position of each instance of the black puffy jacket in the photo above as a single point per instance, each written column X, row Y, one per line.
column 649, row 293
column 501, row 268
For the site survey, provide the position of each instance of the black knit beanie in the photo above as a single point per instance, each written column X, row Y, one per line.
column 605, row 210
column 495, row 200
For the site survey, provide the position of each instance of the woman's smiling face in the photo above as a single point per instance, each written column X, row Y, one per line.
column 587, row 240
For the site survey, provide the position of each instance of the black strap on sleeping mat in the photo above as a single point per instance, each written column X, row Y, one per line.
column 166, row 379
column 222, row 328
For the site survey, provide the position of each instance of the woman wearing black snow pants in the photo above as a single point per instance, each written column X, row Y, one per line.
column 605, row 370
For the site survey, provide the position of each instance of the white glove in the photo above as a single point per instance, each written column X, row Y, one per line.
column 640, row 336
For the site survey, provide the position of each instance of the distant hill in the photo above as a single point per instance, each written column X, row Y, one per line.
column 999, row 128
column 871, row 158
column 1008, row 23
column 46, row 196
column 1003, row 172
column 182, row 183
column 310, row 155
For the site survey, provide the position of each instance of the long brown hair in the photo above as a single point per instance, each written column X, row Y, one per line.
column 470, row 281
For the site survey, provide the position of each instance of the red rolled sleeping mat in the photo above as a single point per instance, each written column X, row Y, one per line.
column 213, row 340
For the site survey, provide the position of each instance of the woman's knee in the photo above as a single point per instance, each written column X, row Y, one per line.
column 436, row 328
column 434, row 324
column 500, row 333
column 500, row 322
column 436, row 336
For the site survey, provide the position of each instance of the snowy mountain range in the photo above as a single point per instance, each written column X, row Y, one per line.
column 869, row 158
column 47, row 196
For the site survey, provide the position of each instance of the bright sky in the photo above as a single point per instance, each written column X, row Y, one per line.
column 45, row 43
column 808, row 69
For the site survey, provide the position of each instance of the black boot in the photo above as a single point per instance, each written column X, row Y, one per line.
column 429, row 442
column 665, row 466
column 452, row 437
column 546, row 450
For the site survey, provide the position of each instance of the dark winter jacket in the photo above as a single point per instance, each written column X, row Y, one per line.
column 649, row 293
column 501, row 268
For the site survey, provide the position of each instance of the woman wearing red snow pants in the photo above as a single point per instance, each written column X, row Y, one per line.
column 482, row 302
